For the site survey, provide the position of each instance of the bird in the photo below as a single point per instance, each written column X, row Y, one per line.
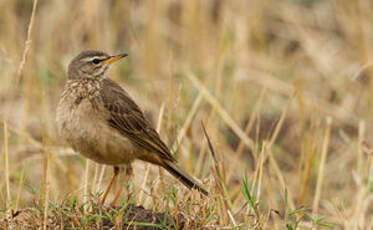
column 99, row 119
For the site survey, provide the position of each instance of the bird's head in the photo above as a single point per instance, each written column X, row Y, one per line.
column 91, row 64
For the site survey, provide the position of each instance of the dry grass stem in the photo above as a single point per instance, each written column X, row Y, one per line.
column 220, row 110
column 187, row 123
column 86, row 180
column 281, row 121
column 276, row 85
column 46, row 187
column 23, row 135
column 27, row 43
column 248, row 128
column 141, row 199
column 6, row 163
column 20, row 186
column 320, row 174
column 95, row 177
column 100, row 178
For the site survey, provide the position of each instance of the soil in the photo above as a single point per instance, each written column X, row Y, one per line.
column 142, row 216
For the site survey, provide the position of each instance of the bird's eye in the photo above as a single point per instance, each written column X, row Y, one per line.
column 96, row 61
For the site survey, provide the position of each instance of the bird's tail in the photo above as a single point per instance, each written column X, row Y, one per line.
column 184, row 178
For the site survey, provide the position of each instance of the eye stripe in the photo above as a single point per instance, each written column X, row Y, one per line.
column 89, row 59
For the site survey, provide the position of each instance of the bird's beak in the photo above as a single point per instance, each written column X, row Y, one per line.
column 114, row 58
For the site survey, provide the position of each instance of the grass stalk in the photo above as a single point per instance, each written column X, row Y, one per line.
column 219, row 181
column 281, row 121
column 320, row 175
column 20, row 186
column 250, row 124
column 95, row 177
column 100, row 178
column 272, row 160
column 86, row 180
column 141, row 199
column 248, row 128
column 359, row 148
column 27, row 43
column 221, row 111
column 6, row 162
column 46, row 186
column 187, row 123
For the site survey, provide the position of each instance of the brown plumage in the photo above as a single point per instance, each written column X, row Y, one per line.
column 101, row 121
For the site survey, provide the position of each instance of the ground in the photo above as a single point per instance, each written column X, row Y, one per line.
column 133, row 217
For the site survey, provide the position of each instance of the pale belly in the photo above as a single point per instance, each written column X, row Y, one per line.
column 89, row 134
column 106, row 148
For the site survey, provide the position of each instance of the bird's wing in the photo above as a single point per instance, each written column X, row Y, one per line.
column 127, row 118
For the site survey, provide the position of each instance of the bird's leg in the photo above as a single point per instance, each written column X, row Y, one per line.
column 116, row 173
column 127, row 176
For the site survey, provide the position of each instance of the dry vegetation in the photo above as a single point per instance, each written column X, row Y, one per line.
column 283, row 88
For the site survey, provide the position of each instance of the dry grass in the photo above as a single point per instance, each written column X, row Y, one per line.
column 283, row 88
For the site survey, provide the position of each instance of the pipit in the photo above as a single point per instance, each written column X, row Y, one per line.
column 98, row 118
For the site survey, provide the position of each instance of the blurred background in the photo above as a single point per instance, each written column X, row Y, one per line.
column 284, row 89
